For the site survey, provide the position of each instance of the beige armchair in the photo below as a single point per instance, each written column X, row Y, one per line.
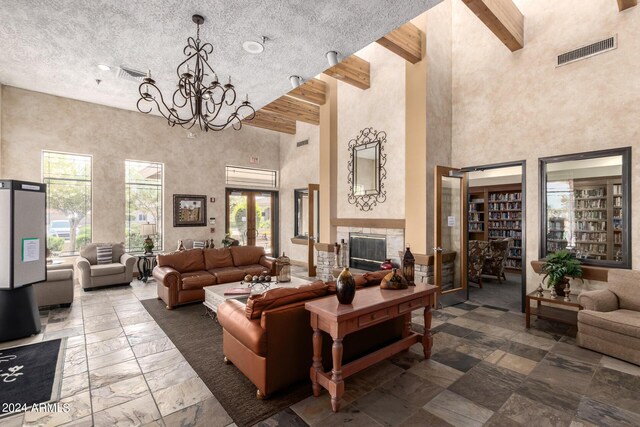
column 610, row 321
column 58, row 289
column 93, row 275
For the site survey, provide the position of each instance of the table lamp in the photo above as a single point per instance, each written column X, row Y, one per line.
column 148, row 229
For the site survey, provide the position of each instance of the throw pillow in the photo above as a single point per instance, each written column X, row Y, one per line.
column 198, row 244
column 104, row 254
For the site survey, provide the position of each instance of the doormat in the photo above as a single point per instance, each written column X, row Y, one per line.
column 30, row 375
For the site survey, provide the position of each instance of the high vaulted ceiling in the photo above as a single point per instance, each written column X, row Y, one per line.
column 54, row 46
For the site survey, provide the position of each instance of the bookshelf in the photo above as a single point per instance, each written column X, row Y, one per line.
column 591, row 223
column 477, row 216
column 495, row 212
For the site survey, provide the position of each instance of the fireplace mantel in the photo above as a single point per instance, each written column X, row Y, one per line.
column 368, row 222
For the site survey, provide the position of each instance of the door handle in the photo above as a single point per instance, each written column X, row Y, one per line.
column 438, row 249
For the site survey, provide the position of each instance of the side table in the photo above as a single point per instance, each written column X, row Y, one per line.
column 370, row 307
column 558, row 313
column 148, row 261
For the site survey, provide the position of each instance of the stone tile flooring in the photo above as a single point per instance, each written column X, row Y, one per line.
column 486, row 369
column 120, row 368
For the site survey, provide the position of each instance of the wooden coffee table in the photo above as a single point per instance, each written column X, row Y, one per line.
column 557, row 313
column 214, row 295
column 370, row 307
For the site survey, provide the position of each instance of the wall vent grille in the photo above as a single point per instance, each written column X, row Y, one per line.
column 131, row 74
column 588, row 51
column 302, row 143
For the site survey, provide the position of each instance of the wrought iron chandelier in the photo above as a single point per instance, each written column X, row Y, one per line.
column 194, row 101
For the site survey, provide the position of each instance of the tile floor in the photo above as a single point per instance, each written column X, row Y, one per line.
column 120, row 368
column 486, row 369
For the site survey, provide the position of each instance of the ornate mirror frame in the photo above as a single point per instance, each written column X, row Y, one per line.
column 367, row 138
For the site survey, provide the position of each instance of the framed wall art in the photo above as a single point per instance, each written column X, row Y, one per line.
column 189, row 210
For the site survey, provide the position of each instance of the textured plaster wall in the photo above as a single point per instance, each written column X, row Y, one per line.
column 438, row 30
column 299, row 167
column 1, row 89
column 34, row 121
column 518, row 106
column 382, row 107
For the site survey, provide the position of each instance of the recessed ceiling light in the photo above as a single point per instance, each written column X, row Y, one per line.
column 104, row 67
column 253, row 47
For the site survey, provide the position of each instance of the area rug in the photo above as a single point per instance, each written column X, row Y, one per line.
column 199, row 339
column 30, row 375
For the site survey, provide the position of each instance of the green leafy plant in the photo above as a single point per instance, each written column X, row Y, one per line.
column 55, row 243
column 560, row 265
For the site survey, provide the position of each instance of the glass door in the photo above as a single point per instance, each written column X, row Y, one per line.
column 450, row 225
column 263, row 225
column 251, row 218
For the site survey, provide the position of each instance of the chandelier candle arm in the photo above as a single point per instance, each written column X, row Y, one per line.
column 194, row 101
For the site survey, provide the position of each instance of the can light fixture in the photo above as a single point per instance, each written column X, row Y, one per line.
column 332, row 58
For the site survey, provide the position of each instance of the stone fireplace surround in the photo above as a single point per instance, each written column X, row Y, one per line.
column 326, row 259
column 394, row 236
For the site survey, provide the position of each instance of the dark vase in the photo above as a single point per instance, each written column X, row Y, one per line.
column 386, row 265
column 345, row 287
column 560, row 286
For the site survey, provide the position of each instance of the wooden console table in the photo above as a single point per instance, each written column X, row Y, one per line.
column 370, row 307
column 558, row 314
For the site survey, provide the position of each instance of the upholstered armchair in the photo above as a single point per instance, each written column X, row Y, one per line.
column 496, row 258
column 478, row 250
column 610, row 321
column 93, row 275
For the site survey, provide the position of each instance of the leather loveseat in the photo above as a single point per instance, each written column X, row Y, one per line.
column 181, row 276
column 610, row 321
column 269, row 338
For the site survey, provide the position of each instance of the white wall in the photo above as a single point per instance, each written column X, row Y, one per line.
column 33, row 122
column 519, row 106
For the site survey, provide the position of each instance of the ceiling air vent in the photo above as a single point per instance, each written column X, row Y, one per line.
column 588, row 51
column 302, row 143
column 131, row 74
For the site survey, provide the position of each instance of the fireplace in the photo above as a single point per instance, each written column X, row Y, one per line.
column 367, row 251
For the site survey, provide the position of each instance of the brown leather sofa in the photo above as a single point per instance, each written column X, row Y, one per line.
column 269, row 338
column 181, row 276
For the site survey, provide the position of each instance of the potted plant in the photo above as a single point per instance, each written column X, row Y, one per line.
column 559, row 267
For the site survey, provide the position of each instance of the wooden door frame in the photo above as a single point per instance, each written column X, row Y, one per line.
column 311, row 229
column 439, row 172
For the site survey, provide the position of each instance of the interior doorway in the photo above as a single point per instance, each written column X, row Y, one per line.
column 496, row 235
column 252, row 218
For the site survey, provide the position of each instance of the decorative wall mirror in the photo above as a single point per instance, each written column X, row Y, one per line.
column 585, row 206
column 366, row 169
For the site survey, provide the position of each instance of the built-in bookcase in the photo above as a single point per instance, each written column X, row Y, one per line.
column 495, row 212
column 590, row 222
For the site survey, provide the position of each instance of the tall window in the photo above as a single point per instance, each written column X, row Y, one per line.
column 68, row 179
column 143, row 186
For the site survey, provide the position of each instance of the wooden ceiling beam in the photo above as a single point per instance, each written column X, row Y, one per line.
column 273, row 122
column 405, row 41
column 503, row 18
column 626, row 4
column 294, row 109
column 352, row 70
column 313, row 91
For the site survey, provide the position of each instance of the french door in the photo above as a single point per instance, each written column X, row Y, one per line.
column 252, row 218
column 450, row 228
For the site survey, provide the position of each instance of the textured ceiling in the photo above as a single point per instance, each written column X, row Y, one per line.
column 54, row 46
